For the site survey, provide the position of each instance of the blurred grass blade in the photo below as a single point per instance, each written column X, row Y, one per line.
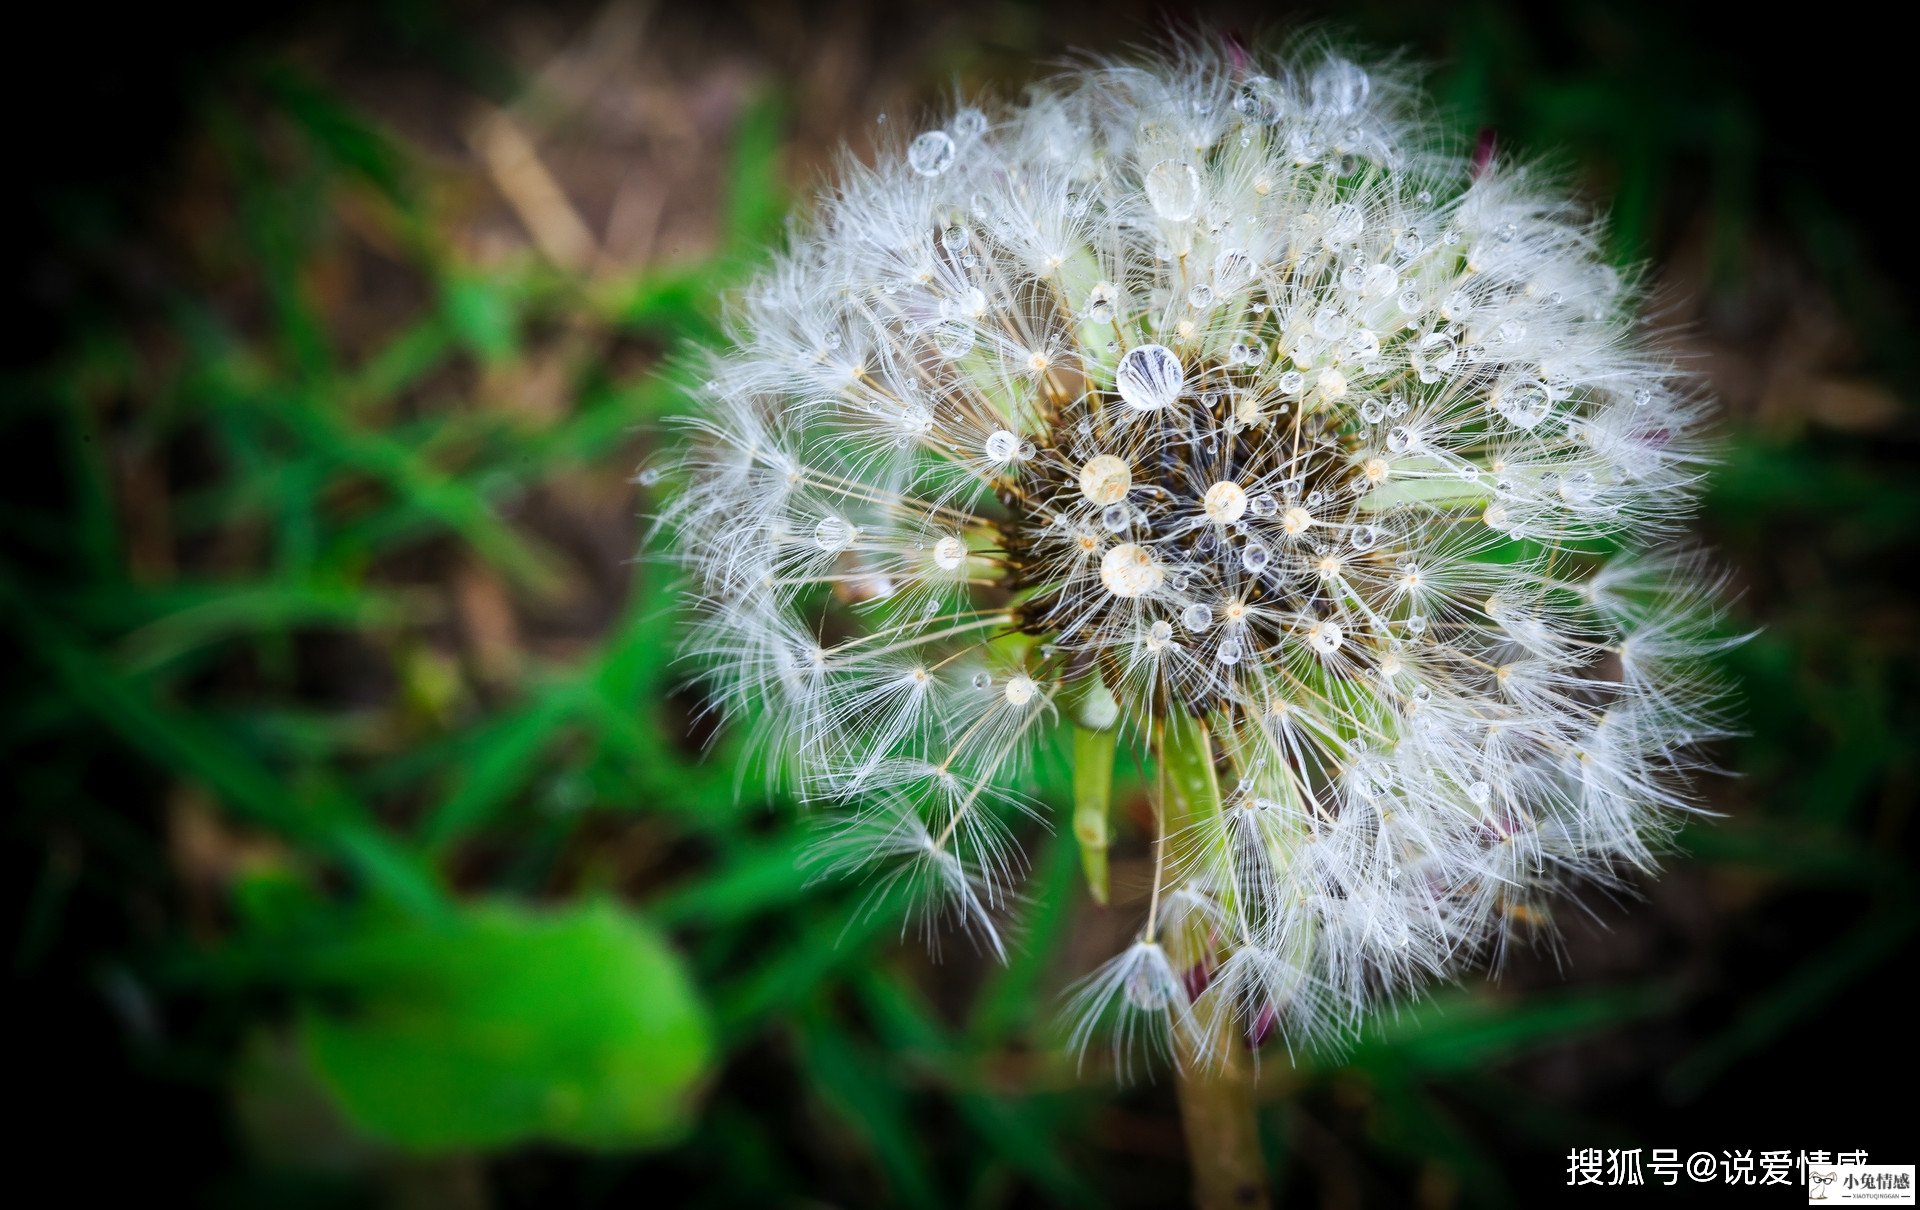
column 1798, row 996
column 872, row 1109
column 323, row 815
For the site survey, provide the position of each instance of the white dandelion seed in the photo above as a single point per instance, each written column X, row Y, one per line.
column 1203, row 403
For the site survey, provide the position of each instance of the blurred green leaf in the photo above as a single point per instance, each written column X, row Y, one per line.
column 503, row 1026
column 483, row 312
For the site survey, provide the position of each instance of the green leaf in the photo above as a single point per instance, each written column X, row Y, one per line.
column 482, row 313
column 502, row 1026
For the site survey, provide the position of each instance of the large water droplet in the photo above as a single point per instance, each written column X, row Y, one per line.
column 1150, row 377
column 1173, row 189
column 931, row 154
column 1100, row 302
column 953, row 338
column 1524, row 404
column 1002, row 446
column 1258, row 99
column 1232, row 269
column 834, row 534
column 1339, row 87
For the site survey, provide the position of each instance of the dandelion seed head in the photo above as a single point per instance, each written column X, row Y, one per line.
column 1197, row 391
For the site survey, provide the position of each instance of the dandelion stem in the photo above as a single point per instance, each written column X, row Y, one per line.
column 1212, row 1076
column 1218, row 1115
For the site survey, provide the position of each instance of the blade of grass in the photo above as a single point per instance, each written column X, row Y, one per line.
column 321, row 815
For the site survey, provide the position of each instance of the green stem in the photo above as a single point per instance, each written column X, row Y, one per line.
column 1213, row 1077
column 1218, row 1116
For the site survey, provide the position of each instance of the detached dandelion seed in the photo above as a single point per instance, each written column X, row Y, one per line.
column 1209, row 395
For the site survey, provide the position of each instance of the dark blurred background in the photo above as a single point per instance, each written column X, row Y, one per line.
column 360, row 849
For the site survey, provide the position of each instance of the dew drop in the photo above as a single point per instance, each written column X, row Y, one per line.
column 1019, row 690
column 1099, row 306
column 1002, row 446
column 954, row 338
column 1326, row 637
column 1115, row 517
column 1130, row 570
column 834, row 534
column 1255, row 557
column 1173, row 189
column 1196, row 618
column 1329, row 323
column 1399, row 437
column 1523, row 404
column 1480, row 793
column 1435, row 356
column 1232, row 269
column 970, row 123
column 1228, row 652
column 1257, row 100
column 949, row 553
column 1200, row 297
column 1150, row 377
column 931, row 154
column 1344, row 223
column 1225, row 502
